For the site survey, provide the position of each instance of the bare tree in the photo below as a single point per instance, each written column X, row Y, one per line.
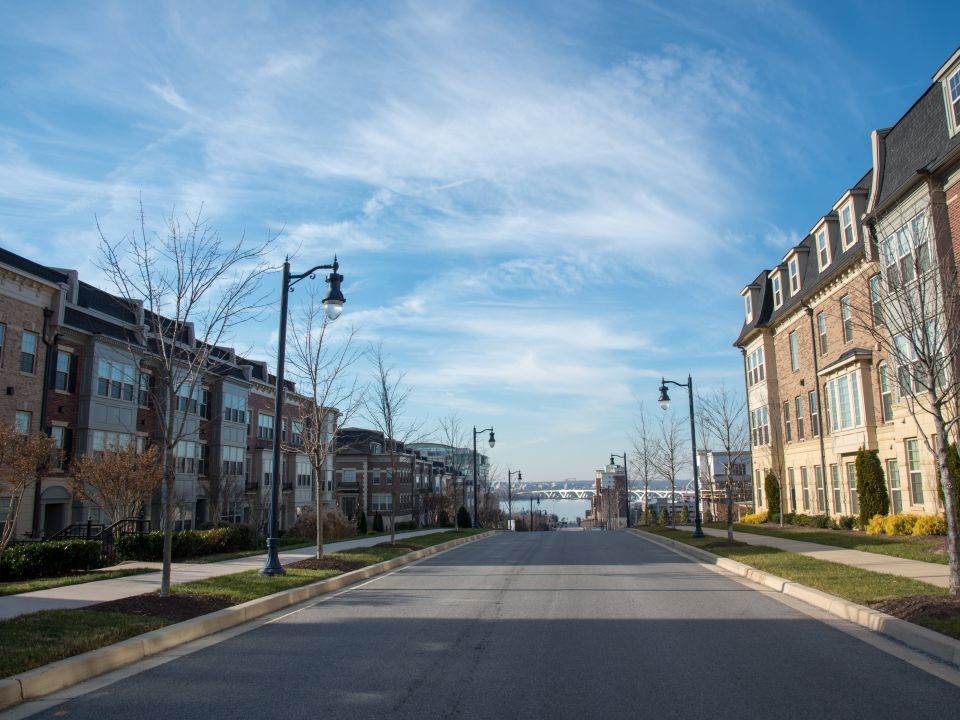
column 911, row 309
column 330, row 394
column 118, row 480
column 671, row 454
column 724, row 414
column 454, row 436
column 23, row 458
column 192, row 288
column 644, row 449
column 384, row 406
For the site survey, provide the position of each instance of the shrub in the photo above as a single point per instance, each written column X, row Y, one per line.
column 900, row 524
column 707, row 516
column 930, row 525
column 756, row 518
column 49, row 559
column 406, row 525
column 443, row 519
column 187, row 543
column 663, row 519
column 335, row 526
column 463, row 517
column 685, row 515
column 953, row 464
column 361, row 523
column 871, row 487
column 377, row 522
column 771, row 486
column 844, row 522
column 877, row 525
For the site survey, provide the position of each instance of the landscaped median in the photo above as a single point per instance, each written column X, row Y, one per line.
column 47, row 651
column 845, row 591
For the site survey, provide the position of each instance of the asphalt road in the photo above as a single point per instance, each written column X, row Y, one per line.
column 547, row 625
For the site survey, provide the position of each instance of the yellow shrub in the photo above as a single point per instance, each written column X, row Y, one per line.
column 900, row 524
column 877, row 525
column 930, row 525
column 755, row 519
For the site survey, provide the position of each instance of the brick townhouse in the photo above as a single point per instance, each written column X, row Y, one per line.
column 819, row 385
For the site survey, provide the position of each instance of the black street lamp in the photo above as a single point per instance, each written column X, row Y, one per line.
column 626, row 481
column 531, row 511
column 492, row 441
column 665, row 403
column 333, row 306
column 510, row 495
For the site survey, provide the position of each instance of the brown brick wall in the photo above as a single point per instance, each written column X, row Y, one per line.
column 20, row 391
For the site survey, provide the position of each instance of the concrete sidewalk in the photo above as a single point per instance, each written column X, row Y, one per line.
column 74, row 596
column 932, row 573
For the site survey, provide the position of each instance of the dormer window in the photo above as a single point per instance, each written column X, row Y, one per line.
column 794, row 268
column 748, row 307
column 846, row 222
column 823, row 249
column 777, row 291
column 953, row 99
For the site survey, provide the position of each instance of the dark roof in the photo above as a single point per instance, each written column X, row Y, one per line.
column 919, row 140
column 28, row 266
column 79, row 319
column 94, row 298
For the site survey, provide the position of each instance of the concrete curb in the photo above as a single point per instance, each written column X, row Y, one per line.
column 65, row 673
column 931, row 643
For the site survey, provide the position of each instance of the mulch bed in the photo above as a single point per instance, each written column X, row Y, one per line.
column 175, row 608
column 327, row 563
column 398, row 546
column 933, row 607
column 723, row 543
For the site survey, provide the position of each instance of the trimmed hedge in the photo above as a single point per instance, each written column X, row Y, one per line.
column 49, row 559
column 188, row 543
column 907, row 524
column 756, row 518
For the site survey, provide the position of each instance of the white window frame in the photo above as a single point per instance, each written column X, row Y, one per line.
column 952, row 97
column 823, row 249
column 748, row 307
column 846, row 318
column 793, row 267
column 847, row 223
column 777, row 285
column 794, row 350
column 824, row 340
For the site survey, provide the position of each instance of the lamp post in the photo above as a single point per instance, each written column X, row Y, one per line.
column 626, row 482
column 531, row 511
column 510, row 495
column 492, row 441
column 333, row 306
column 665, row 403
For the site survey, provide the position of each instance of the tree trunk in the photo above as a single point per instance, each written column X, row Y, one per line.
column 948, row 482
column 729, row 509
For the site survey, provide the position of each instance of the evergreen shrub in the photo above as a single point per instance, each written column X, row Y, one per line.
column 871, row 487
column 756, row 518
column 463, row 518
column 663, row 519
column 377, row 522
column 361, row 523
column 771, row 486
column 49, row 559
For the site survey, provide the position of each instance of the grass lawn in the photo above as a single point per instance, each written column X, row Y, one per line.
column 24, row 586
column 30, row 641
column 925, row 549
column 854, row 584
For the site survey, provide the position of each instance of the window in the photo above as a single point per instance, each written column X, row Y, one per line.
column 115, row 380
column 823, row 249
column 852, row 480
column 187, row 453
column 794, row 270
column 896, row 492
column 905, row 252
column 304, row 472
column 777, row 291
column 3, row 336
column 822, row 331
column 798, row 403
column 234, row 408
column 821, row 490
column 191, row 398
column 786, row 422
column 264, row 426
column 876, row 300
column 953, row 86
column 349, row 475
column 232, row 459
column 913, row 469
column 844, row 408
column 886, row 393
column 202, row 460
column 63, row 378
column 143, row 390
column 204, row 402
column 846, row 315
column 375, row 477
column 28, row 351
column 283, row 429
column 759, row 488
column 794, row 351
column 755, row 366
column 748, row 307
column 835, row 482
column 847, row 230
column 297, row 437
column 63, row 441
column 760, row 426
column 381, row 502
column 22, row 422
column 814, row 414
column 101, row 440
column 805, row 487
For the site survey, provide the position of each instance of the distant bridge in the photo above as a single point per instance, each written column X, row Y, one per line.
column 586, row 489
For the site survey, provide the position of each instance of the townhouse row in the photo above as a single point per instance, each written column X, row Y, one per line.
column 827, row 370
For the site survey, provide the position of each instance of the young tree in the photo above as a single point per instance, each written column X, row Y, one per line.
column 119, row 480
column 322, row 360
column 193, row 289
column 454, row 436
column 671, row 455
column 725, row 414
column 644, row 449
column 911, row 309
column 871, row 487
column 23, row 458
column 384, row 406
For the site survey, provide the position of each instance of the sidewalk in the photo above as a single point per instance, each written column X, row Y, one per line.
column 932, row 573
column 74, row 596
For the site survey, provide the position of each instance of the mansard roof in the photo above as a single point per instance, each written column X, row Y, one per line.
column 31, row 268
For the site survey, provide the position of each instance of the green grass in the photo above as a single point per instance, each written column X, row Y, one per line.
column 24, row 586
column 30, row 641
column 854, row 584
column 250, row 585
column 924, row 549
column 949, row 627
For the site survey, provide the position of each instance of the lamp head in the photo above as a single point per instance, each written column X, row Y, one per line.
column 519, row 476
column 611, row 459
column 333, row 302
column 664, row 398
column 492, row 439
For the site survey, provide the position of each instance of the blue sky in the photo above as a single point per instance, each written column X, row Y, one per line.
column 539, row 207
